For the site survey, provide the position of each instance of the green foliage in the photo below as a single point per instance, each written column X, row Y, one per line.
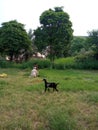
column 14, row 39
column 79, row 62
column 55, row 32
column 40, row 39
column 87, row 64
column 77, row 44
column 86, row 60
column 5, row 64
column 93, row 41
column 64, row 63
column 40, row 62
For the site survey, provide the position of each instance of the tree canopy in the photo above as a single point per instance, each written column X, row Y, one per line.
column 14, row 40
column 55, row 31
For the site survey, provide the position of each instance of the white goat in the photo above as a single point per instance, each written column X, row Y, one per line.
column 34, row 72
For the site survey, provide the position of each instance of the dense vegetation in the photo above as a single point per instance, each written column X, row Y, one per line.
column 61, row 63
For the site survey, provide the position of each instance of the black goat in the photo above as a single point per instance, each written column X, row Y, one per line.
column 50, row 85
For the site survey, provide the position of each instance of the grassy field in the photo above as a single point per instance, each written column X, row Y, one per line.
column 25, row 106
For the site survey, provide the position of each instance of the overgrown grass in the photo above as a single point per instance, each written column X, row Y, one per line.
column 60, row 64
column 25, row 106
column 76, row 63
column 65, row 63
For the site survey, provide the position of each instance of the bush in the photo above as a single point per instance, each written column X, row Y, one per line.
column 65, row 63
column 5, row 64
column 86, row 61
column 79, row 62
column 42, row 63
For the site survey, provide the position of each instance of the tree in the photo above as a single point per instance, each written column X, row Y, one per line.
column 55, row 32
column 78, row 43
column 93, row 41
column 14, row 40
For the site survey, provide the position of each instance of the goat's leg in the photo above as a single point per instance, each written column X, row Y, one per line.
column 53, row 89
column 48, row 89
column 56, row 89
column 45, row 89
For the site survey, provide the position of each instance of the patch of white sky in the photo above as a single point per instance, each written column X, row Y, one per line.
column 83, row 13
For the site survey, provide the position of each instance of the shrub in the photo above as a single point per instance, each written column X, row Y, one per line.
column 79, row 62
column 5, row 64
column 64, row 63
column 42, row 63
column 86, row 62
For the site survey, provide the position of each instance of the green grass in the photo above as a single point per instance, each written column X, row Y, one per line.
column 25, row 106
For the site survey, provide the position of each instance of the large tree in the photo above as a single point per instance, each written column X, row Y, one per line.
column 55, row 32
column 14, row 40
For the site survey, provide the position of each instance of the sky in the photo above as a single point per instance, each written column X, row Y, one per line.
column 83, row 13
